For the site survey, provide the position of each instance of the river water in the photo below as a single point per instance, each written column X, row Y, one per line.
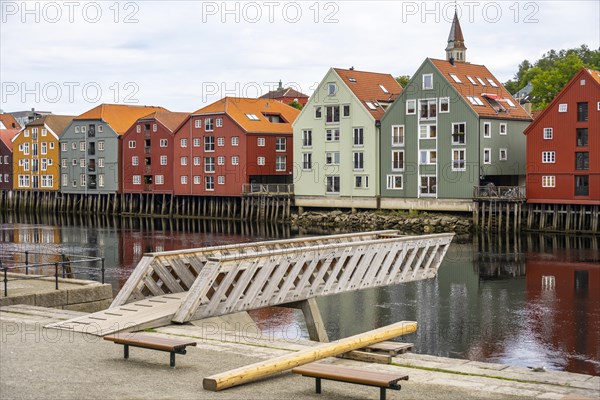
column 530, row 300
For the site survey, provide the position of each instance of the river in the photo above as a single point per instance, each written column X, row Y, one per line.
column 530, row 300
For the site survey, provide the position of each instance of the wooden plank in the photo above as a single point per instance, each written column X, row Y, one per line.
column 392, row 348
column 197, row 292
column 132, row 282
column 267, row 368
column 350, row 375
column 364, row 356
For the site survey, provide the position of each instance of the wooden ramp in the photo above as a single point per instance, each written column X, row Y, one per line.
column 139, row 315
column 188, row 285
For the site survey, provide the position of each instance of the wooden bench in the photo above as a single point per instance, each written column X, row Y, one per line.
column 382, row 380
column 173, row 346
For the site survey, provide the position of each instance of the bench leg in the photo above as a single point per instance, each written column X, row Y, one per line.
column 382, row 393
column 318, row 385
column 126, row 351
column 172, row 359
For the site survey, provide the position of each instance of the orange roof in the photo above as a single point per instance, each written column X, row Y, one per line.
column 169, row 119
column 7, row 135
column 250, row 113
column 369, row 87
column 57, row 123
column 119, row 116
column 8, row 120
column 479, row 74
column 594, row 74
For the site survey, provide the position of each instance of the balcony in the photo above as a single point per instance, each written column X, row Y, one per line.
column 263, row 188
column 490, row 192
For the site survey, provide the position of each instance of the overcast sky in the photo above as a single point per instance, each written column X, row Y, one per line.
column 67, row 57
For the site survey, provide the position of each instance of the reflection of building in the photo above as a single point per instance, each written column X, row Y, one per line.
column 570, row 284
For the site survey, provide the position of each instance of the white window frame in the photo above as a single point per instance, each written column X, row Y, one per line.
column 488, row 151
column 414, row 107
column 333, row 178
column 209, row 183
column 428, row 159
column 219, row 122
column 163, row 160
column 457, row 143
column 221, row 160
column 135, row 160
column 503, row 154
column 101, row 145
column 398, row 139
column 548, row 181
column 444, row 100
column 395, row 167
column 358, row 133
column 183, row 143
column 183, row 160
column 500, row 129
column 221, row 141
column 391, row 182
column 164, row 143
column 307, row 138
column 221, row 180
column 464, row 159
column 260, row 142
column 425, row 77
column 489, row 130
column 235, row 141
column 159, row 179
column 260, row 161
column 208, row 125
column 198, row 123
column 358, row 161
column 306, row 161
column 132, row 144
column 197, row 160
column 364, row 181
column 548, row 133
column 183, row 179
column 235, row 160
column 331, row 88
column 280, row 163
column 562, row 108
column 137, row 179
column 280, row 144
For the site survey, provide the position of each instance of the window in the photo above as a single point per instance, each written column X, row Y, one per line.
column 598, row 106
column 582, row 112
column 394, row 182
column 332, row 158
column 397, row 135
column 260, row 142
column 582, row 160
column 361, row 181
column 197, row 179
column 154, row 127
column 220, row 141
column 74, row 183
column 82, row 162
column 306, row 138
column 83, row 129
column 411, row 107
column 582, row 137
column 332, row 114
column 183, row 179
column 221, row 180
column 445, row 105
column 427, row 131
column 459, row 160
column 209, row 143
column 64, row 163
column 74, row 162
column 383, row 89
column 47, row 181
column 503, row 130
column 100, row 128
column 398, row 160
column 26, row 165
column 455, row 78
column 44, row 148
column 428, row 109
column 307, row 161
column 333, row 184
column 63, row 146
column 427, row 157
column 562, row 108
column 487, row 156
column 183, row 160
column 163, row 160
column 135, row 160
column 101, row 162
column 481, row 81
column 208, row 125
column 198, row 123
column 163, row 143
column 346, row 112
column 197, row 142
column 235, row 140
column 209, row 182
column 252, row 117
column 65, row 180
column 427, row 81
column 332, row 135
column 358, row 137
column 73, row 145
column 476, row 101
column 371, row 105
column 209, row 164
column 196, row 160
column 471, row 80
column 101, row 145
column 582, row 185
column 220, row 160
column 503, row 154
column 24, row 181
column 492, row 82
column 137, row 179
column 548, row 181
column 280, row 144
column 487, row 130
column 138, row 129
column 428, row 185
column 331, row 89
column 81, row 147
column 132, row 144
column 510, row 103
column 280, row 163
column 183, row 143
column 159, row 179
column 358, row 160
column 260, row 161
column 83, row 178
column 459, row 133
column 548, row 157
column 235, row 160
column 548, row 133
column 318, row 112
column 51, row 145
column 219, row 122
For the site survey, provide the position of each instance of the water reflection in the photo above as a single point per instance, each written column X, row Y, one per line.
column 525, row 300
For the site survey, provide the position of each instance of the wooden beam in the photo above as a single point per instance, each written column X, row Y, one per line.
column 365, row 356
column 266, row 368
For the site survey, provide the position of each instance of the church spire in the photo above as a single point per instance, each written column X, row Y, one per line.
column 456, row 50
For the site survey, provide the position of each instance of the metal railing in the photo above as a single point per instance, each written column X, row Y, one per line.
column 499, row 192
column 67, row 264
column 248, row 188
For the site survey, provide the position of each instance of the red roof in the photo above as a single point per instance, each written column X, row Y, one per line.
column 170, row 120
column 7, row 135
column 9, row 121
column 474, row 82
column 371, row 88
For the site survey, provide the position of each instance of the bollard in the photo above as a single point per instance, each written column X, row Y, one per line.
column 103, row 270
column 5, row 280
column 26, row 263
column 56, row 274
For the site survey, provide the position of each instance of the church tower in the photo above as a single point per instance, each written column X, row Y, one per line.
column 456, row 50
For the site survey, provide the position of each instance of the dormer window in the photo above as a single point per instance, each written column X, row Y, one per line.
column 252, row 117
column 370, row 105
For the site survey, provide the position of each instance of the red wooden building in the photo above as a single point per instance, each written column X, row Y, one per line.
column 563, row 146
column 147, row 153
column 232, row 142
column 6, row 158
column 286, row 95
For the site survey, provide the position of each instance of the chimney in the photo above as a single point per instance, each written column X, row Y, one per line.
column 527, row 107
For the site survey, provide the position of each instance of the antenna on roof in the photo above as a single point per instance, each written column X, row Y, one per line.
column 280, row 85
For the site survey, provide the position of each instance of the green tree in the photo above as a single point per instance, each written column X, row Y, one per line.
column 295, row 104
column 403, row 80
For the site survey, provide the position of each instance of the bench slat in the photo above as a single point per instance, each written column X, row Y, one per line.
column 149, row 341
column 350, row 375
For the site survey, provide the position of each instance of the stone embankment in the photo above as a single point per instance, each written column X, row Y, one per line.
column 408, row 223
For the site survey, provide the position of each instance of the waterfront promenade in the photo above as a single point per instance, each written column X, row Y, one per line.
column 37, row 363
